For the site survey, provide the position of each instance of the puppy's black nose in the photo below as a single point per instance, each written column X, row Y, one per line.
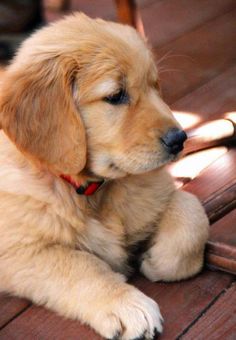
column 174, row 140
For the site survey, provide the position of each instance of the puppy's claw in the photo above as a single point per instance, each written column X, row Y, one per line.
column 142, row 337
column 116, row 336
column 156, row 334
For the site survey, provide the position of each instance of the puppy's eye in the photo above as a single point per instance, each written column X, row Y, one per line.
column 117, row 98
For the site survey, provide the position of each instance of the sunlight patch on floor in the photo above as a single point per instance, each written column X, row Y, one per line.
column 231, row 116
column 187, row 119
column 190, row 166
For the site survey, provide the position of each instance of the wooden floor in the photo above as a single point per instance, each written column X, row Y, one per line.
column 195, row 47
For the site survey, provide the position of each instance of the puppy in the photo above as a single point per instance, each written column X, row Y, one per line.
column 80, row 110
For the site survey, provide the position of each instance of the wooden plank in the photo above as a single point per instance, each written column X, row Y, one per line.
column 103, row 8
column 143, row 3
column 40, row 323
column 180, row 303
column 167, row 20
column 228, row 223
column 221, row 248
column 201, row 174
column 10, row 307
column 221, row 262
column 221, row 202
column 219, row 322
column 202, row 169
column 210, row 101
column 214, row 177
column 198, row 56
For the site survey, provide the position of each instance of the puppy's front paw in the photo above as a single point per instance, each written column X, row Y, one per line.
column 131, row 316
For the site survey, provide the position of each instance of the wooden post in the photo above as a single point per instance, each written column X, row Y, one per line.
column 128, row 13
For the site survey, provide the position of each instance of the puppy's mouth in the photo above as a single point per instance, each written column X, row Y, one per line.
column 106, row 166
column 129, row 166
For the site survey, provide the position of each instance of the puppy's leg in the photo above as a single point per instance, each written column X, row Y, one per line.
column 79, row 285
column 179, row 243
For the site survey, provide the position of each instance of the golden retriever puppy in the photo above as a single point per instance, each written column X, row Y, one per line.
column 79, row 108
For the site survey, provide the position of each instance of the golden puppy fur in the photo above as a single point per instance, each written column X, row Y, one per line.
column 71, row 252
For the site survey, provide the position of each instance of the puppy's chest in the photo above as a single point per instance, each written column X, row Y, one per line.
column 132, row 209
column 122, row 218
column 122, row 226
column 135, row 218
column 139, row 219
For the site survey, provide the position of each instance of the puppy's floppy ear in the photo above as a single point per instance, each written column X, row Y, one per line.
column 38, row 114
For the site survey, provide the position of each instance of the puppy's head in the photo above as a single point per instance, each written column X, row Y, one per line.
column 83, row 93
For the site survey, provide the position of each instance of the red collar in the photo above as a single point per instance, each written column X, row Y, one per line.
column 87, row 189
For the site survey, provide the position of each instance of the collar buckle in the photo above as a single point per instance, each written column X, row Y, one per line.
column 87, row 189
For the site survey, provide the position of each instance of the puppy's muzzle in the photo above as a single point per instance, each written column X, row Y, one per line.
column 174, row 140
